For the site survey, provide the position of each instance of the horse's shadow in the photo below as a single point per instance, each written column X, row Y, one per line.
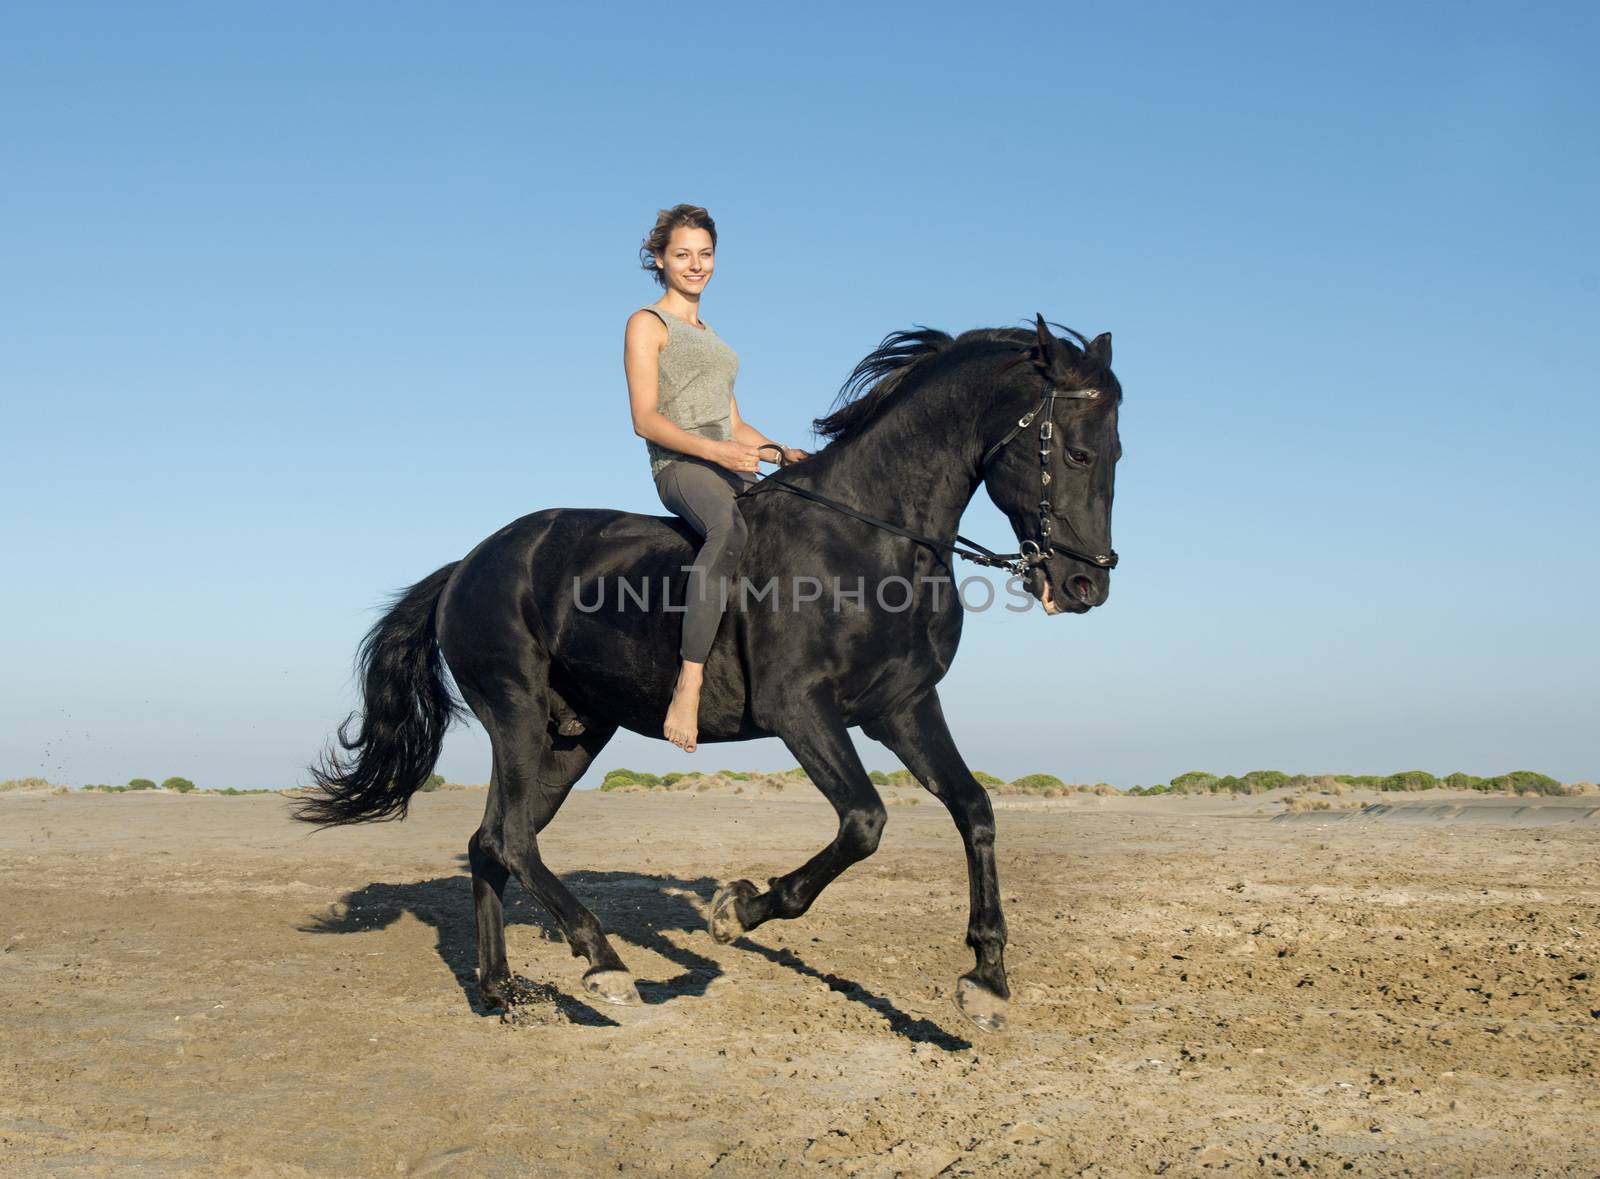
column 643, row 909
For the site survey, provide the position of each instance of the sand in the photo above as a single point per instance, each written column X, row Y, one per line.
column 197, row 986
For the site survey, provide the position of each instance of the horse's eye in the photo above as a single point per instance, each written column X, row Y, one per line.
column 1078, row 456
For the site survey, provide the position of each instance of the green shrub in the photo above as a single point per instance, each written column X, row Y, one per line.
column 1370, row 781
column 1327, row 783
column 1460, row 781
column 619, row 779
column 141, row 784
column 988, row 781
column 181, row 785
column 1528, row 782
column 1255, row 782
column 1040, row 782
column 1409, row 780
column 797, row 772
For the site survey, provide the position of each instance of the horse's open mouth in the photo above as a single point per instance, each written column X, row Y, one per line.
column 1038, row 584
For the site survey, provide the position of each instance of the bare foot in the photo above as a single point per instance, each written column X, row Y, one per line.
column 683, row 714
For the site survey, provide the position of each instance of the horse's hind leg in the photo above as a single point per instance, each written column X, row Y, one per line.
column 535, row 769
column 607, row 978
column 489, row 878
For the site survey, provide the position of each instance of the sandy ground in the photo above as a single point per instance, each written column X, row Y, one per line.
column 196, row 986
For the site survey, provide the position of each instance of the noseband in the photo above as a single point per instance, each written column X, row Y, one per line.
column 1031, row 552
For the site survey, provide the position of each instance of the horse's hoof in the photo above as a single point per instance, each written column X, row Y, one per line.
column 725, row 924
column 495, row 993
column 983, row 1007
column 612, row 986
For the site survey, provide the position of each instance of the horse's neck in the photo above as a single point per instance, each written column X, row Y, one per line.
column 909, row 467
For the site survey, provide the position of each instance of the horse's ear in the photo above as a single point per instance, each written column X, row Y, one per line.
column 1100, row 348
column 1049, row 346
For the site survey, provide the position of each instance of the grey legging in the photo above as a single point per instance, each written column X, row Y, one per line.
column 702, row 493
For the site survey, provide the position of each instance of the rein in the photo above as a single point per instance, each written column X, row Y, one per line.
column 1031, row 552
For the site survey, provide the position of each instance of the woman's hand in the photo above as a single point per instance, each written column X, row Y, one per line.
column 735, row 456
column 786, row 454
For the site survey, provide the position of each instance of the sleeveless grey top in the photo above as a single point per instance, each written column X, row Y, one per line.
column 695, row 388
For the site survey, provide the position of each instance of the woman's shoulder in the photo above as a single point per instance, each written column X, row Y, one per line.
column 649, row 322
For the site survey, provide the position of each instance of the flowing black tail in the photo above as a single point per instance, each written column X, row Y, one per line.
column 406, row 708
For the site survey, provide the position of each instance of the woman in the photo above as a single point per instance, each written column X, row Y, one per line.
column 680, row 388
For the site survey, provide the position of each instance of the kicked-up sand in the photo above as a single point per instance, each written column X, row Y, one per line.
column 197, row 986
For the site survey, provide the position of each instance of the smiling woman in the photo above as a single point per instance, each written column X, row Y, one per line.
column 680, row 392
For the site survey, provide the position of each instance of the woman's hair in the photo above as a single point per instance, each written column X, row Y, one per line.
column 677, row 217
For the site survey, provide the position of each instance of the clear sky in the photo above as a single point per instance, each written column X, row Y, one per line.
column 298, row 302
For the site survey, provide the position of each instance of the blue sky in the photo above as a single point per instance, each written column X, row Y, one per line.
column 298, row 303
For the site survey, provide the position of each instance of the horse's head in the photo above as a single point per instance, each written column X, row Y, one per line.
column 1049, row 463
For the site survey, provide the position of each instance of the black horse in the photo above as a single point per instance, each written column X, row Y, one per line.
column 840, row 618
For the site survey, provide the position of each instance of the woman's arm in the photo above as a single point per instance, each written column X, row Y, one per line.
column 641, row 361
column 744, row 432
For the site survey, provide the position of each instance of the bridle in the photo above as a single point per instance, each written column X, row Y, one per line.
column 1031, row 552
column 1040, row 551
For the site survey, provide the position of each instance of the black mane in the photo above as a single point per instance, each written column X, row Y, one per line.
column 883, row 370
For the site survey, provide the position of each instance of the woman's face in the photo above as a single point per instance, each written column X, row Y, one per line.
column 688, row 261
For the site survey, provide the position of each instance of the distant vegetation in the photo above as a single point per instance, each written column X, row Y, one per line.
column 892, row 778
column 174, row 785
column 1407, row 781
column 1041, row 785
column 625, row 779
column 1044, row 785
column 28, row 784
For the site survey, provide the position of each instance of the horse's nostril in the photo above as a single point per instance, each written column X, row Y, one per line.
column 1083, row 589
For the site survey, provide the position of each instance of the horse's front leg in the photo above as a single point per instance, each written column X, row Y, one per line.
column 821, row 743
column 918, row 735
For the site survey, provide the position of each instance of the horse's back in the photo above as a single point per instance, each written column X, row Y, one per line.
column 599, row 592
